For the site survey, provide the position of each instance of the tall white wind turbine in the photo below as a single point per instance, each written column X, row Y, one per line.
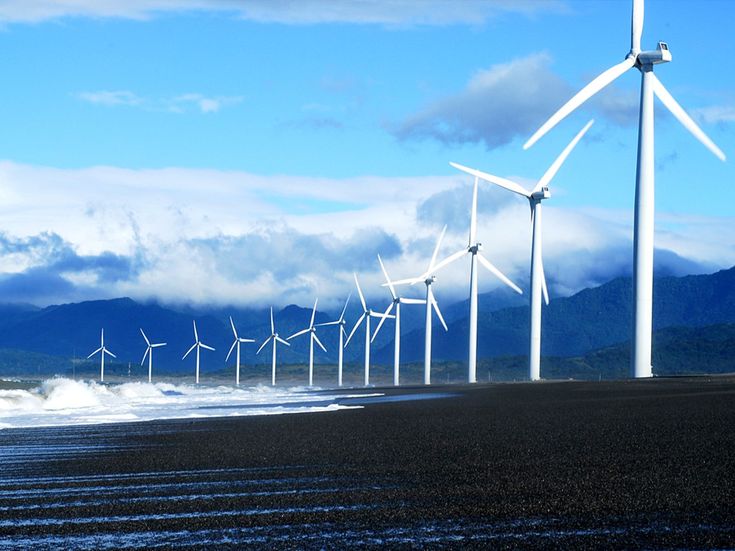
column 312, row 339
column 198, row 345
column 102, row 350
column 149, row 352
column 236, row 344
column 538, row 278
column 473, row 249
column 367, row 313
column 428, row 278
column 276, row 339
column 396, row 303
column 644, row 203
column 340, row 322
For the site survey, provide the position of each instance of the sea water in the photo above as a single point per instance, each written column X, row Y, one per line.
column 60, row 401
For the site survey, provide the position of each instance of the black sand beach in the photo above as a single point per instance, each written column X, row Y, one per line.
column 646, row 463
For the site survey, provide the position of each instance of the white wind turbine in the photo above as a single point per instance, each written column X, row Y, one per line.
column 644, row 192
column 367, row 313
column 102, row 350
column 428, row 279
column 396, row 303
column 198, row 345
column 342, row 334
column 276, row 339
column 312, row 339
column 473, row 248
column 236, row 344
column 538, row 278
column 149, row 353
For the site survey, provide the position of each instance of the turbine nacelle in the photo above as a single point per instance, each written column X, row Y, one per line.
column 661, row 54
column 543, row 193
column 474, row 249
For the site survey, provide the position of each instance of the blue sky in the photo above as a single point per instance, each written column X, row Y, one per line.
column 256, row 152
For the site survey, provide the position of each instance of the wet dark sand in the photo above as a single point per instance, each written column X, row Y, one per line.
column 613, row 464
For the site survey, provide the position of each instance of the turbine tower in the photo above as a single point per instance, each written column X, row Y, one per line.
column 473, row 248
column 395, row 303
column 312, row 339
column 342, row 333
column 276, row 339
column 198, row 345
column 538, row 278
column 643, row 230
column 236, row 344
column 428, row 279
column 102, row 350
column 367, row 313
column 149, row 353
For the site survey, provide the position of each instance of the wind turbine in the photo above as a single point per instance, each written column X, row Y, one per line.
column 538, row 279
column 276, row 339
column 396, row 303
column 237, row 342
column 102, row 350
column 473, row 248
column 149, row 353
column 312, row 339
column 342, row 333
column 644, row 188
column 198, row 345
column 428, row 278
column 367, row 313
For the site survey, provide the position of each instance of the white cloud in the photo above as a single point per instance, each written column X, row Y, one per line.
column 715, row 114
column 176, row 104
column 113, row 97
column 203, row 103
column 231, row 237
column 299, row 12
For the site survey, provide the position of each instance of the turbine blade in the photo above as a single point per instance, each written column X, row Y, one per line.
column 158, row 345
column 193, row 346
column 245, row 340
column 382, row 321
column 436, row 249
column 95, row 352
column 273, row 325
column 510, row 185
column 298, row 334
column 266, row 341
column 357, row 324
column 105, row 351
column 443, row 263
column 145, row 355
column 413, row 301
column 359, row 292
column 554, row 168
column 206, row 346
column 196, row 335
column 336, row 322
column 485, row 262
column 316, row 340
column 230, row 352
column 234, row 331
column 313, row 313
column 602, row 80
column 435, row 305
column 473, row 214
column 544, row 288
column 672, row 105
column 408, row 281
column 342, row 315
column 636, row 27
column 387, row 279
column 279, row 339
column 146, row 338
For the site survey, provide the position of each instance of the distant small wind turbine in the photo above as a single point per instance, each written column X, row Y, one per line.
column 428, row 279
column 473, row 248
column 538, row 278
column 312, row 339
column 236, row 344
column 276, row 339
column 643, row 232
column 102, row 350
column 198, row 345
column 149, row 353
column 367, row 313
column 396, row 303
column 342, row 334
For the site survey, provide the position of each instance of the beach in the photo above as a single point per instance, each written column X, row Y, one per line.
column 644, row 463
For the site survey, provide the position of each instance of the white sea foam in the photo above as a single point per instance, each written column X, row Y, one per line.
column 62, row 401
